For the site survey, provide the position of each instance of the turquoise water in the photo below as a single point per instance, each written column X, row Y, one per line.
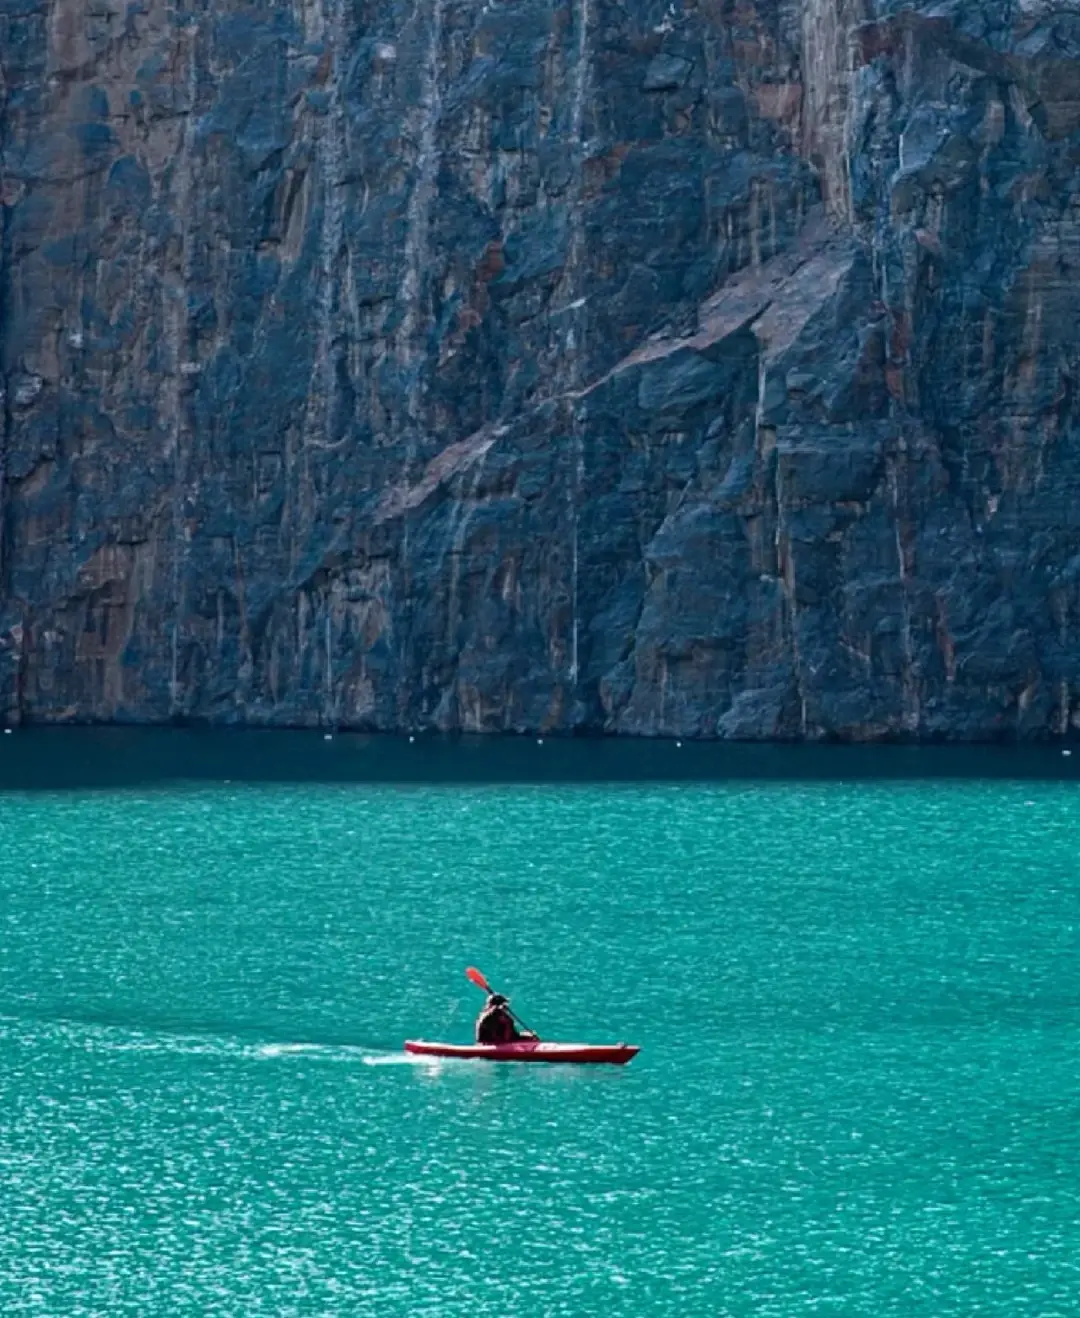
column 858, row 1004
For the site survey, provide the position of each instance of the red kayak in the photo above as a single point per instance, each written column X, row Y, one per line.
column 529, row 1050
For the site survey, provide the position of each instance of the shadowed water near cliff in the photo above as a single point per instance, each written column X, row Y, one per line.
column 857, row 997
column 58, row 759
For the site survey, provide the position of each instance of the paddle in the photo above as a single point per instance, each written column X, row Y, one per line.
column 478, row 979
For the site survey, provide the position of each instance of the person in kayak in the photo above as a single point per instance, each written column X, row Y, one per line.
column 495, row 1024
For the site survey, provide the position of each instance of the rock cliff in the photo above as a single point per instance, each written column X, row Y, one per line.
column 692, row 367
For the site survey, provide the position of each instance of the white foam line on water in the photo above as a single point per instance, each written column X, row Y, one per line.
column 98, row 1037
column 327, row 1052
column 269, row 1051
column 396, row 1059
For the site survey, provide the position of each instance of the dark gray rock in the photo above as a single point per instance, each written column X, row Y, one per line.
column 666, row 73
column 653, row 368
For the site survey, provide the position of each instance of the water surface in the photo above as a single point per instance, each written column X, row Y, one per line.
column 857, row 994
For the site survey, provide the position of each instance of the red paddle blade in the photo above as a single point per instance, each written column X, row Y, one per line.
column 478, row 979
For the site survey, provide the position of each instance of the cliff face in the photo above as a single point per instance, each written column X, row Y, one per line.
column 703, row 368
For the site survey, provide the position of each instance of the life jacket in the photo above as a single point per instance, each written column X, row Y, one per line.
column 496, row 1025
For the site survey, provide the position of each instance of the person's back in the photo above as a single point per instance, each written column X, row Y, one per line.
column 495, row 1024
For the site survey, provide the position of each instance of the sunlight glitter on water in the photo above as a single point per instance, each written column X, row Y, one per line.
column 859, row 1006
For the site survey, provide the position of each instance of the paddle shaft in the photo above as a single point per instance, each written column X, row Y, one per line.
column 519, row 1020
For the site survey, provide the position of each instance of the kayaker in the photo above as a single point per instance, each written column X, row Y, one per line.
column 495, row 1024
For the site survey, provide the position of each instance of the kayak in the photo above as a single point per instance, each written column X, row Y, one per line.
column 529, row 1050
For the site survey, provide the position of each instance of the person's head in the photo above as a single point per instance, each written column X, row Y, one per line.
column 496, row 1000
